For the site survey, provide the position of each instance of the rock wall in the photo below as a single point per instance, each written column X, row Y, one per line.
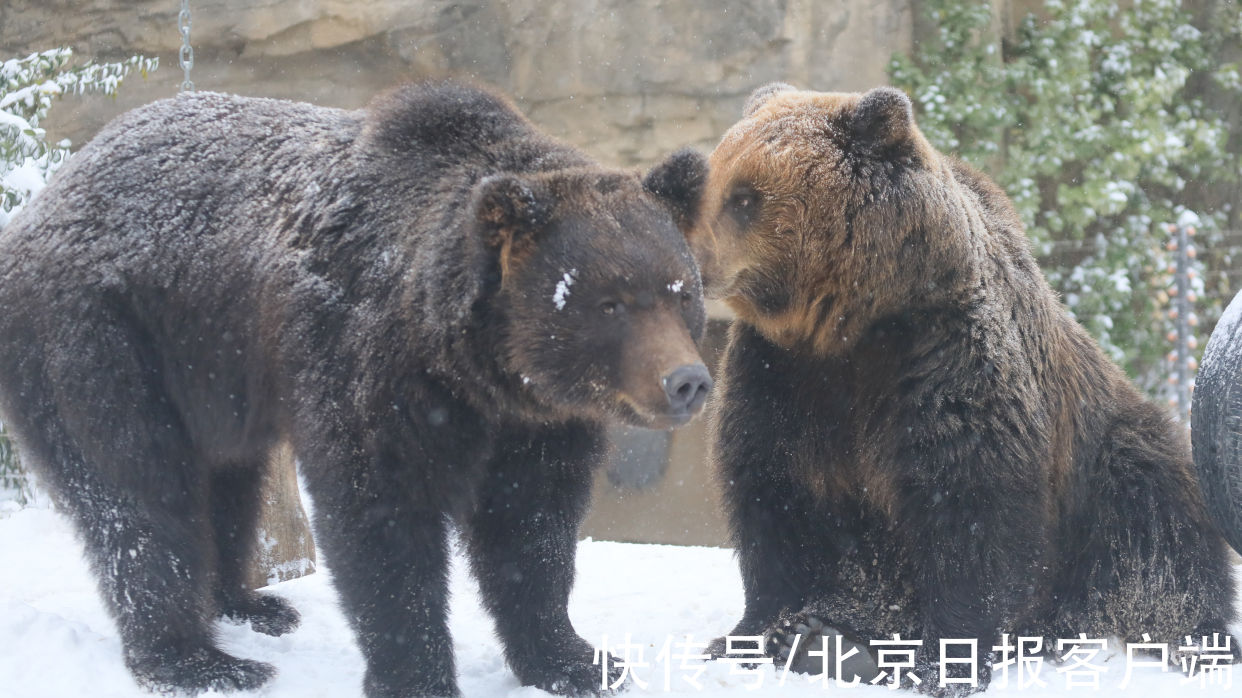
column 629, row 80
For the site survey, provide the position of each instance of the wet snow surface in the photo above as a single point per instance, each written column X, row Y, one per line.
column 57, row 640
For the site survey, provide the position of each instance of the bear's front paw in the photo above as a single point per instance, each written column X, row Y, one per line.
column 808, row 645
column 576, row 671
column 195, row 670
column 267, row 614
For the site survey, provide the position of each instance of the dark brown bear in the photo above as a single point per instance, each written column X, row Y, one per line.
column 436, row 304
column 913, row 434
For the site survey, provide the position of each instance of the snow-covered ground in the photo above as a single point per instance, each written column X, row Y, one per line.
column 57, row 640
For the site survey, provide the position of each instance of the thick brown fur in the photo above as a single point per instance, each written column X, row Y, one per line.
column 913, row 434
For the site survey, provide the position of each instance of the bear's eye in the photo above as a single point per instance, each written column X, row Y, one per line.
column 743, row 205
column 685, row 299
column 611, row 307
column 743, row 201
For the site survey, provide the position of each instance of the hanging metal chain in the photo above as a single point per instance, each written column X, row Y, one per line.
column 187, row 51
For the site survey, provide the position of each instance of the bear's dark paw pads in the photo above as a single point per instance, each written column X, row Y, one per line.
column 792, row 641
column 202, row 669
column 267, row 614
column 797, row 636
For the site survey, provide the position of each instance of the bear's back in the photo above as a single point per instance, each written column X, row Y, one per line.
column 177, row 180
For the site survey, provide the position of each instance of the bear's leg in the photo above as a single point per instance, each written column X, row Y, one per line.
column 522, row 538
column 235, row 495
column 865, row 602
column 967, row 582
column 971, row 515
column 120, row 461
column 1161, row 582
column 1161, row 564
column 776, row 571
column 150, row 553
column 974, row 560
column 786, row 540
column 155, row 577
column 387, row 547
column 779, row 541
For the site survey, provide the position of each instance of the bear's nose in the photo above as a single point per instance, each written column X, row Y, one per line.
column 687, row 387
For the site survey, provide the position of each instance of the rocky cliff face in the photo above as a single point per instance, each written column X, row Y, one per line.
column 629, row 80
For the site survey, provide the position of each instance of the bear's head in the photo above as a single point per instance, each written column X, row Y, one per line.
column 824, row 212
column 602, row 300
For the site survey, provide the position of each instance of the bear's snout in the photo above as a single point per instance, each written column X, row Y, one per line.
column 687, row 388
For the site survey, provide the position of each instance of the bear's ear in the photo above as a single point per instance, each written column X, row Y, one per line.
column 508, row 211
column 679, row 182
column 884, row 117
column 760, row 96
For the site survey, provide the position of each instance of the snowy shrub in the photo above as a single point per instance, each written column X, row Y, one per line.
column 28, row 87
column 1089, row 118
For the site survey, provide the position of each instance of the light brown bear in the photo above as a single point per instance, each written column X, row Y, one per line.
column 913, row 434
